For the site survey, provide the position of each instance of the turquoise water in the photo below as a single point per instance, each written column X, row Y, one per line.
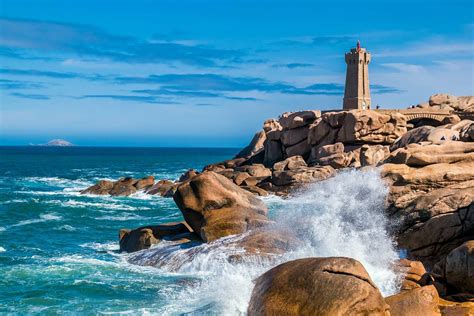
column 59, row 250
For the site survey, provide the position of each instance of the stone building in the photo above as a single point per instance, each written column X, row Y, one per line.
column 357, row 89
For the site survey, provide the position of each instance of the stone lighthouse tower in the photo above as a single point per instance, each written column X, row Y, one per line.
column 357, row 90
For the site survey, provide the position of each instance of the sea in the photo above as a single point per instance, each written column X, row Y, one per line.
column 59, row 250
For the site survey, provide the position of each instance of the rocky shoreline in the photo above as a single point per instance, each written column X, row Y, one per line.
column 427, row 164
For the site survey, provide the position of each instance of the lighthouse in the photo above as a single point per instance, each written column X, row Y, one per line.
column 357, row 89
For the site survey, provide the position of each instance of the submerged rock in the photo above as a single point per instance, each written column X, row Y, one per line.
column 259, row 245
column 144, row 237
column 317, row 286
column 145, row 183
column 122, row 187
column 102, row 187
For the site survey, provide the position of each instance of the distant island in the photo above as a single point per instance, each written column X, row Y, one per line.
column 56, row 143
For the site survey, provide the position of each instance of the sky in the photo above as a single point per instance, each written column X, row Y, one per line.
column 208, row 73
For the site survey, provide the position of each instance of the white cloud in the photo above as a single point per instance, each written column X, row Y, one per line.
column 404, row 67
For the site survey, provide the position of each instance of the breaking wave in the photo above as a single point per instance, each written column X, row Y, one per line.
column 42, row 218
column 342, row 216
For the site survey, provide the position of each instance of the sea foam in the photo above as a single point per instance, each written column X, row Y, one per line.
column 42, row 218
column 342, row 216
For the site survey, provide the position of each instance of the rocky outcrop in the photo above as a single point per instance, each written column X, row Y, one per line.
column 418, row 301
column 102, row 187
column 144, row 237
column 165, row 188
column 216, row 207
column 317, row 286
column 144, row 183
column 292, row 120
column 450, row 102
column 430, row 175
column 121, row 187
column 372, row 127
column 255, row 146
column 188, row 175
column 433, row 207
column 432, row 197
column 421, row 155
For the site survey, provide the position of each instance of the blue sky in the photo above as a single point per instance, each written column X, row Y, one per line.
column 208, row 73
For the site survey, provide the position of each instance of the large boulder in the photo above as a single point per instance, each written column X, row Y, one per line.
column 416, row 135
column 301, row 175
column 441, row 135
column 145, row 183
column 372, row 127
column 274, row 152
column 164, row 188
column 272, row 129
column 292, row 137
column 188, row 175
column 291, row 120
column 292, row 163
column 256, row 170
column 466, row 133
column 317, row 286
column 300, row 149
column 322, row 133
column 373, row 155
column 466, row 104
column 255, row 146
column 331, row 155
column 420, row 301
column 459, row 267
column 442, row 100
column 422, row 155
column 121, row 187
column 451, row 102
column 215, row 207
column 124, row 187
column 102, row 187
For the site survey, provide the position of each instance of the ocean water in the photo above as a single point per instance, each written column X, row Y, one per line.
column 59, row 250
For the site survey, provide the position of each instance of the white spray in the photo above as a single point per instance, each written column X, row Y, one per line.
column 342, row 216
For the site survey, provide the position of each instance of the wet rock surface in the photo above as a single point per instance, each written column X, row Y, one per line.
column 317, row 286
column 215, row 207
